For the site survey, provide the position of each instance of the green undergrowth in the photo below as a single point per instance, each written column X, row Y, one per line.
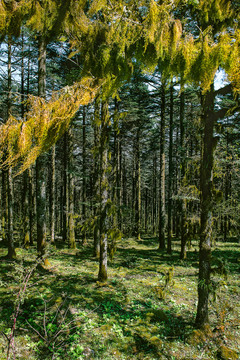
column 145, row 311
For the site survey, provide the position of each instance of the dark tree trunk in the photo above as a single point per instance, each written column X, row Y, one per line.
column 170, row 176
column 71, row 222
column 183, row 254
column 84, row 194
column 52, row 195
column 162, row 215
column 64, row 208
column 41, row 162
column 137, row 205
column 11, row 249
column 154, row 195
column 4, row 205
column 96, row 177
column 206, row 185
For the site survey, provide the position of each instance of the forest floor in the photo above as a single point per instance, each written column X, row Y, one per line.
column 145, row 311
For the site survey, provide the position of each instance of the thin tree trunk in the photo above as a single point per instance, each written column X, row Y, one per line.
column 154, row 195
column 226, row 187
column 162, row 215
column 138, row 186
column 31, row 203
column 84, row 195
column 11, row 249
column 26, row 212
column 71, row 222
column 41, row 163
column 170, row 176
column 64, row 208
column 102, row 275
column 52, row 199
column 96, row 177
column 206, row 185
column 4, row 206
column 183, row 254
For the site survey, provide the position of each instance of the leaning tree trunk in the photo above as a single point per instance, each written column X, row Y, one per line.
column 206, row 185
column 41, row 163
column 162, row 215
column 103, row 147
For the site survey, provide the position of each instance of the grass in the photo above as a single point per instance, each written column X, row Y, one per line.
column 66, row 314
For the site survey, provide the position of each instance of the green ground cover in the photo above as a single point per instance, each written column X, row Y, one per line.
column 145, row 311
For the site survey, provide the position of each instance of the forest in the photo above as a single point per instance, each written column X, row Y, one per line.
column 119, row 179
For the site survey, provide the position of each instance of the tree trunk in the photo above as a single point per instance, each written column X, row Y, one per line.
column 52, row 195
column 102, row 275
column 31, row 206
column 137, row 219
column 96, row 177
column 11, row 249
column 206, row 185
column 84, row 194
column 41, row 162
column 4, row 205
column 170, row 175
column 154, row 195
column 183, row 254
column 162, row 215
column 64, row 208
column 71, row 222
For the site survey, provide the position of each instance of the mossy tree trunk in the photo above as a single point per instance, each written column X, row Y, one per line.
column 206, row 186
column 103, row 152
column 162, row 215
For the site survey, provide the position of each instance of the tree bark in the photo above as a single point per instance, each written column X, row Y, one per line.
column 206, row 185
column 71, row 222
column 41, row 163
column 137, row 220
column 52, row 195
column 183, row 254
column 96, row 177
column 102, row 275
column 64, row 207
column 11, row 249
column 84, row 194
column 170, row 175
column 162, row 215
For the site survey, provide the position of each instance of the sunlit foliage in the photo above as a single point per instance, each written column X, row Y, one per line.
column 25, row 139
